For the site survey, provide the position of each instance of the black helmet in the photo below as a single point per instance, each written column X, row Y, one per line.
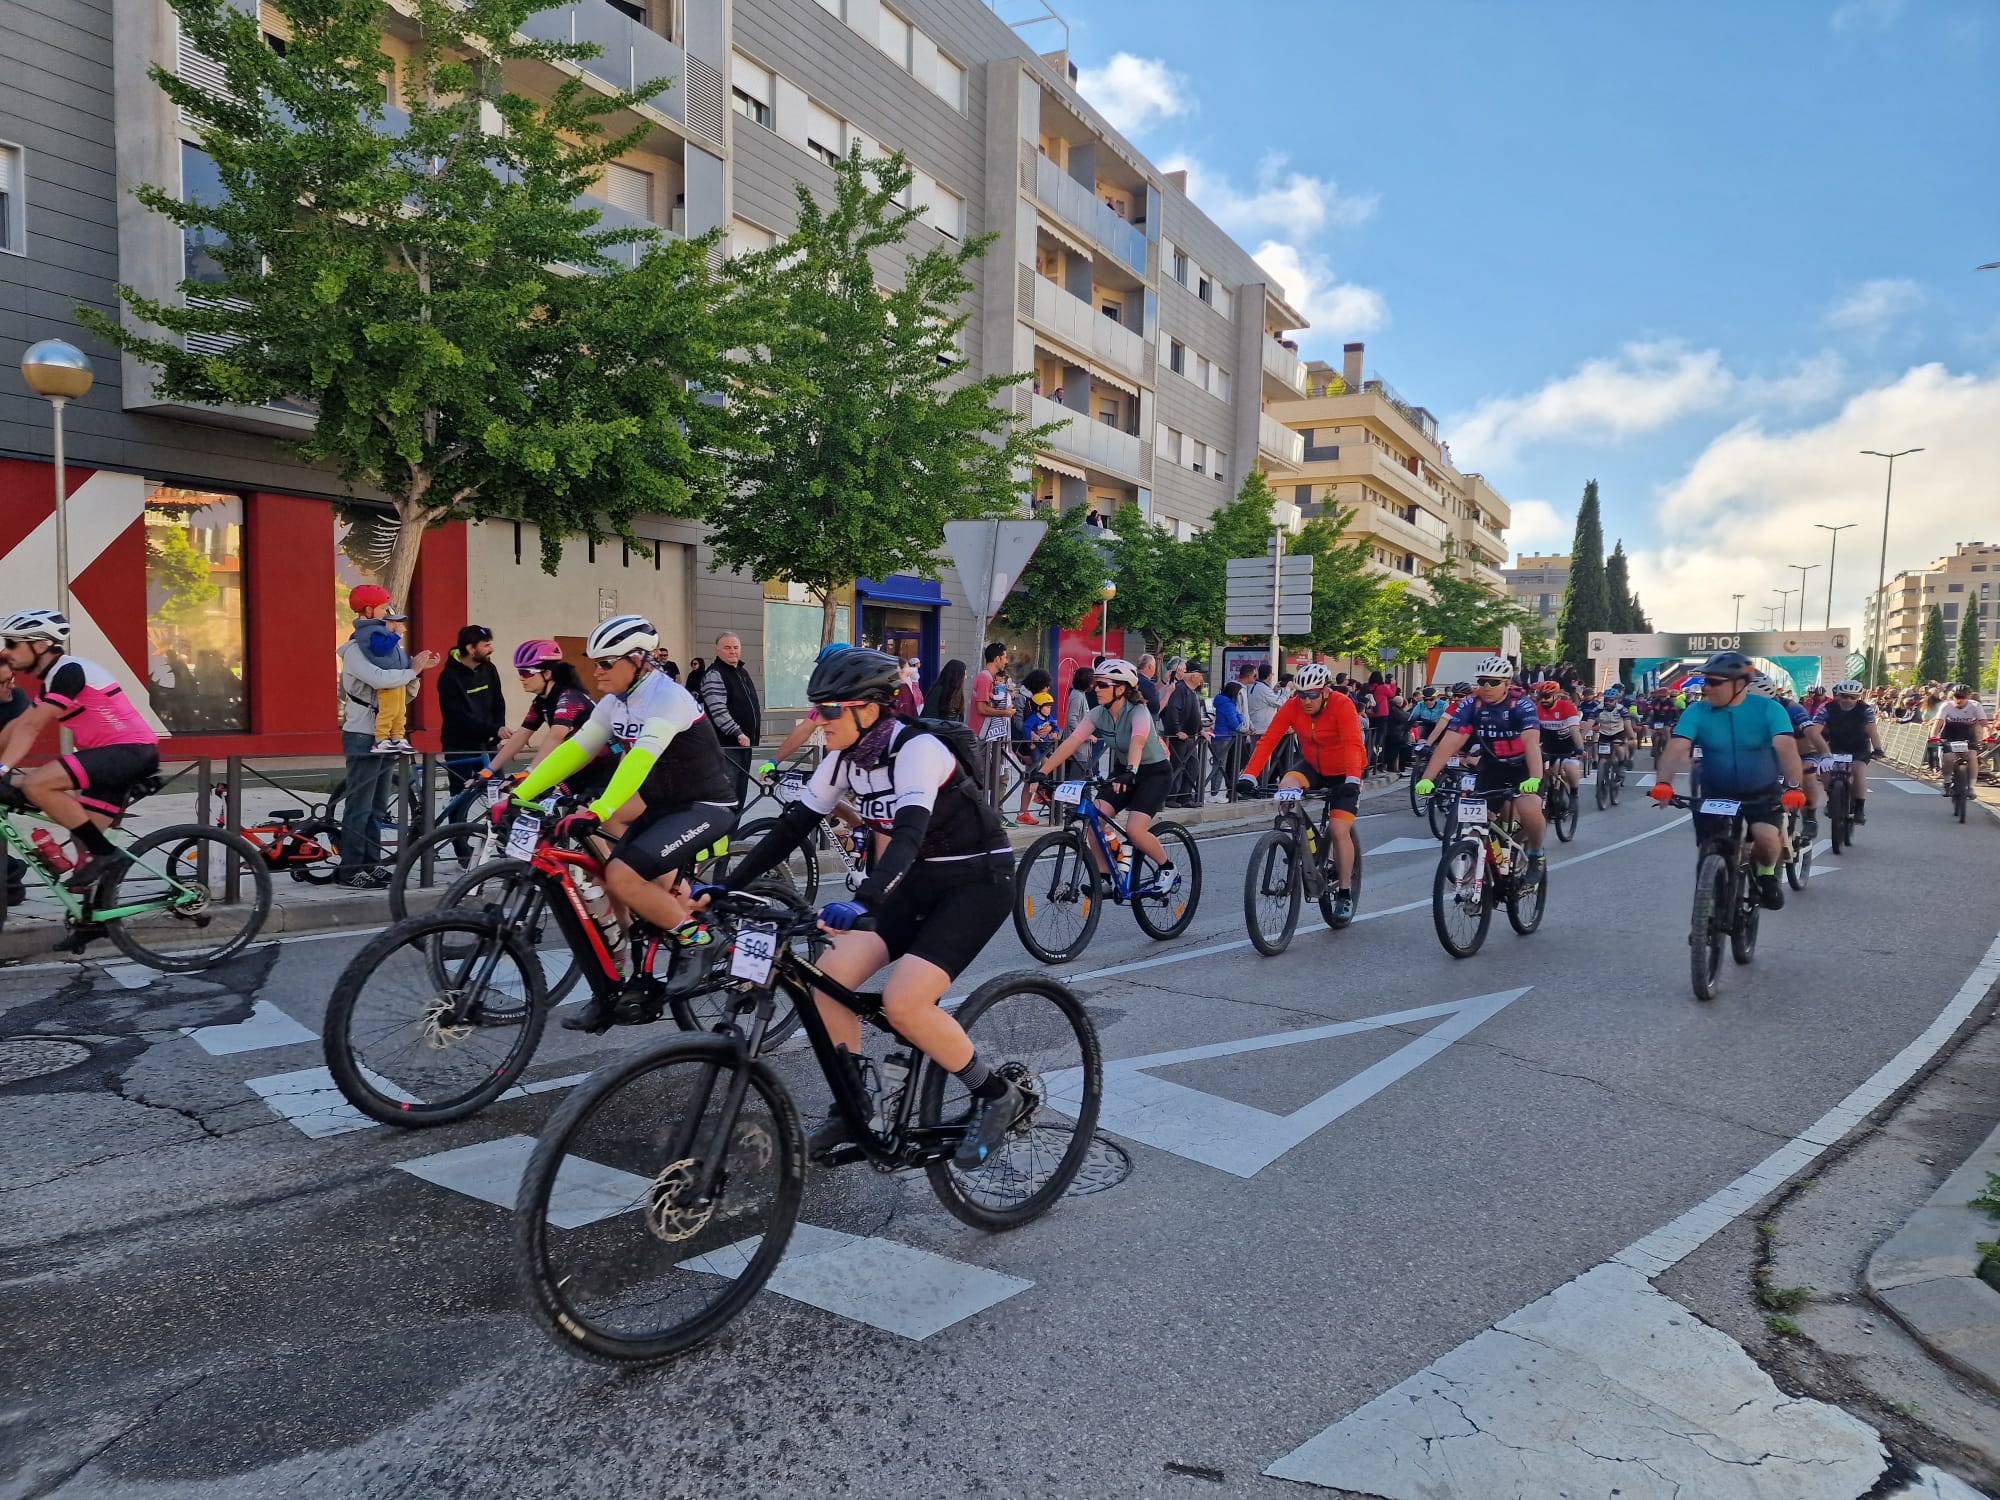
column 1727, row 666
column 859, row 675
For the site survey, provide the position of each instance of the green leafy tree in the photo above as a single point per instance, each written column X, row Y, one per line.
column 464, row 340
column 870, row 438
column 1146, row 562
column 1462, row 612
column 1930, row 650
column 1967, row 666
column 1396, row 623
column 1061, row 583
column 1347, row 593
column 1586, row 605
column 1242, row 528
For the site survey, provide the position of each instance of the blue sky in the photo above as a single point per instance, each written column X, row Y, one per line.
column 1702, row 252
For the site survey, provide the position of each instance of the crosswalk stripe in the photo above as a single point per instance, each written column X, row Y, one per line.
column 266, row 1026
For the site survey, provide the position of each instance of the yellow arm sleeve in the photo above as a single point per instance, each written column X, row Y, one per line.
column 625, row 781
column 571, row 756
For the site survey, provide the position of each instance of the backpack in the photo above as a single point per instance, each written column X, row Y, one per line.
column 958, row 738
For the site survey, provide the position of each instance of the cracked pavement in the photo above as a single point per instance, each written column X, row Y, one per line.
column 202, row 1300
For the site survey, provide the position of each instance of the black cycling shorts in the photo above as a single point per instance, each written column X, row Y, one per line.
column 1759, row 807
column 946, row 925
column 1344, row 795
column 1494, row 775
column 668, row 842
column 1149, row 791
column 104, row 776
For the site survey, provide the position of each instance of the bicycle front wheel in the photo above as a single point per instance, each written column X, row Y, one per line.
column 1961, row 790
column 1272, row 891
column 1057, row 893
column 623, row 1255
column 1460, row 910
column 1743, row 936
column 1839, row 810
column 1166, row 914
column 1524, row 908
column 1443, row 813
column 434, row 1019
column 1706, row 930
column 1034, row 1031
column 1603, row 786
column 182, row 926
column 454, row 848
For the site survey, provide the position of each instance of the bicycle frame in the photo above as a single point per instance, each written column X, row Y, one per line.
column 1497, row 830
column 1098, row 820
column 78, row 908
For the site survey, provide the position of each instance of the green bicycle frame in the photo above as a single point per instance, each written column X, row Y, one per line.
column 77, row 908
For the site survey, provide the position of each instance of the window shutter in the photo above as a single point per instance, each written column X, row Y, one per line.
column 196, row 67
column 823, row 129
column 7, row 155
column 627, row 188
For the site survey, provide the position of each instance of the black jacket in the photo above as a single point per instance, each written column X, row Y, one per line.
column 472, row 710
column 729, row 696
column 1180, row 712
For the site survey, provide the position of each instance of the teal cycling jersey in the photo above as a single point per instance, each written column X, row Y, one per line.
column 1737, row 754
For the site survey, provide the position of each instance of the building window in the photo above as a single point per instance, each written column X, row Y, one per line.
column 895, row 38
column 627, row 188
column 751, row 109
column 1205, row 289
column 1218, row 461
column 946, row 212
column 751, row 88
column 1181, row 267
column 194, row 610
column 1177, row 356
column 200, row 183
column 949, row 82
column 635, row 11
column 13, row 182
column 1954, row 588
column 1199, row 463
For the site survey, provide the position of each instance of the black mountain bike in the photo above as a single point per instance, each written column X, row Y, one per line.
column 1060, row 888
column 1481, row 867
column 1610, row 774
column 1565, row 805
column 1295, row 859
column 661, row 1195
column 1727, row 903
column 1836, row 774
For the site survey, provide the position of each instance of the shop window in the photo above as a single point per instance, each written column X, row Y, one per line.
column 194, row 611
column 792, row 622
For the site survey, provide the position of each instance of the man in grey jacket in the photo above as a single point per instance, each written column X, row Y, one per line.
column 729, row 697
column 369, row 777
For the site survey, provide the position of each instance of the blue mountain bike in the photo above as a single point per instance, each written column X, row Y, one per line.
column 1066, row 876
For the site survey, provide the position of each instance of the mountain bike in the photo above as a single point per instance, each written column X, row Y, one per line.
column 1295, row 859
column 1067, row 874
column 441, row 1013
column 160, row 910
column 1798, row 848
column 297, row 840
column 1484, row 864
column 663, row 1192
column 1610, row 774
column 1565, row 803
column 1958, row 778
column 1727, row 902
column 1836, row 773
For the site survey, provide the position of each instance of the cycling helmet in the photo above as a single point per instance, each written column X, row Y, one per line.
column 1495, row 666
column 1761, row 684
column 1958, row 689
column 855, row 675
column 1460, row 689
column 1430, row 690
column 1312, row 677
column 532, row 656
column 1117, row 669
column 1548, row 687
column 1726, row 666
column 620, row 635
column 1615, row 690
column 36, row 625
column 832, row 648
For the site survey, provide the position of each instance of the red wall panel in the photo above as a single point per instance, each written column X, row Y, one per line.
column 288, row 600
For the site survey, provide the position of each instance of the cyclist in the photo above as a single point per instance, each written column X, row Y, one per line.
column 1749, row 755
column 940, row 880
column 1335, row 754
column 1846, row 721
column 1140, row 771
column 1427, row 712
column 1613, row 723
column 1960, row 717
column 1499, row 718
column 115, row 747
column 557, row 703
column 671, row 795
column 1812, row 745
column 1562, row 731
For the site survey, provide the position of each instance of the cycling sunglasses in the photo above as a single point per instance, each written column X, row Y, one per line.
column 1491, row 681
column 1312, row 692
column 606, row 663
column 835, row 709
column 1103, row 682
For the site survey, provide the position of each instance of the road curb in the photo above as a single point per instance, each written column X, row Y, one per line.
column 1926, row 1275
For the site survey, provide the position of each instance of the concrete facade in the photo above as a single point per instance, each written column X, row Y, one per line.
column 1539, row 582
column 1963, row 581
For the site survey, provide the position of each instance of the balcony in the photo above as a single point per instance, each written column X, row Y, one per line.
column 610, row 216
column 1378, row 520
column 1079, row 207
column 1094, row 443
column 634, row 54
column 1284, row 372
column 1082, row 327
column 1277, row 442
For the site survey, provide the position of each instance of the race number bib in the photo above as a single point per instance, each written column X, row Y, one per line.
column 1070, row 793
column 1958, row 747
column 1720, row 807
column 1472, row 811
column 1468, row 783
column 1287, row 794
column 1602, row 748
column 523, row 836
column 791, row 786
column 756, row 950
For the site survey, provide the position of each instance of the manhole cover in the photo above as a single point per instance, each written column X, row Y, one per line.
column 31, row 1057
column 1105, row 1165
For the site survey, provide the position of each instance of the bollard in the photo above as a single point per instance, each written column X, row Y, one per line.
column 232, row 811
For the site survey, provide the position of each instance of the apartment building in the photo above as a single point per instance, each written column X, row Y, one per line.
column 1367, row 450
column 1539, row 582
column 1153, row 338
column 1960, row 583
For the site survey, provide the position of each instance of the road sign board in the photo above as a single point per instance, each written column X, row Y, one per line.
column 1259, row 623
column 1258, row 569
column 989, row 557
column 1248, row 582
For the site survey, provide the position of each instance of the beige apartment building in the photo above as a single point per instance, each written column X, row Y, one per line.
column 1539, row 582
column 1959, row 583
column 1367, row 450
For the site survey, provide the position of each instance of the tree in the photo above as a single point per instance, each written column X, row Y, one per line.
column 1930, row 652
column 1461, row 612
column 1346, row 591
column 1967, row 667
column 1146, row 566
column 1586, row 606
column 1061, row 583
column 465, row 343
column 871, row 439
column 1621, row 609
column 1242, row 528
column 182, row 575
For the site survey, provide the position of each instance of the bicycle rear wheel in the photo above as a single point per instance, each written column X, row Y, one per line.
column 490, row 887
column 1166, row 916
column 1272, row 890
column 186, row 928
column 620, row 1259
column 434, row 1019
column 1057, row 896
column 1326, row 888
column 1617, row 784
column 455, row 848
column 1034, row 1031
column 1706, row 930
column 1460, row 910
column 1743, row 936
column 1798, row 863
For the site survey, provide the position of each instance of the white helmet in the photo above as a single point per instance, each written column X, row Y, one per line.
column 1847, row 689
column 1760, row 683
column 1311, row 677
column 621, row 634
column 1495, row 666
column 36, row 625
column 1117, row 669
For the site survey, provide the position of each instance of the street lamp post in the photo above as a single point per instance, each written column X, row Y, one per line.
column 1738, row 625
column 1784, row 603
column 61, row 372
column 1880, row 643
column 1802, row 569
column 1832, row 549
column 1106, row 592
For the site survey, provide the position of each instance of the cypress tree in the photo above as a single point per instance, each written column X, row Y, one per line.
column 1930, row 653
column 1966, row 667
column 1586, row 606
column 1617, row 591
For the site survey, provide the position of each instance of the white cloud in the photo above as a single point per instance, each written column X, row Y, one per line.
column 1646, row 387
column 1874, row 305
column 1134, row 93
column 1537, row 526
column 1295, row 204
column 1813, row 382
column 1748, row 505
column 1336, row 309
column 1862, row 15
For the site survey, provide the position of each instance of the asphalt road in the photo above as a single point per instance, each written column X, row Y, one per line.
column 202, row 1299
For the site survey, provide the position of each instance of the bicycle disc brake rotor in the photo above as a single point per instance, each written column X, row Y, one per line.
column 670, row 1214
column 440, row 1031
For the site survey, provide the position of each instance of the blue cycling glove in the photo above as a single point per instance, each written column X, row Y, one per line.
column 840, row 916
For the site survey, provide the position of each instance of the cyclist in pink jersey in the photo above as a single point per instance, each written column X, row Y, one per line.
column 84, row 789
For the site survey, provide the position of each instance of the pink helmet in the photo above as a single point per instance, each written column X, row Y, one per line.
column 532, row 656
